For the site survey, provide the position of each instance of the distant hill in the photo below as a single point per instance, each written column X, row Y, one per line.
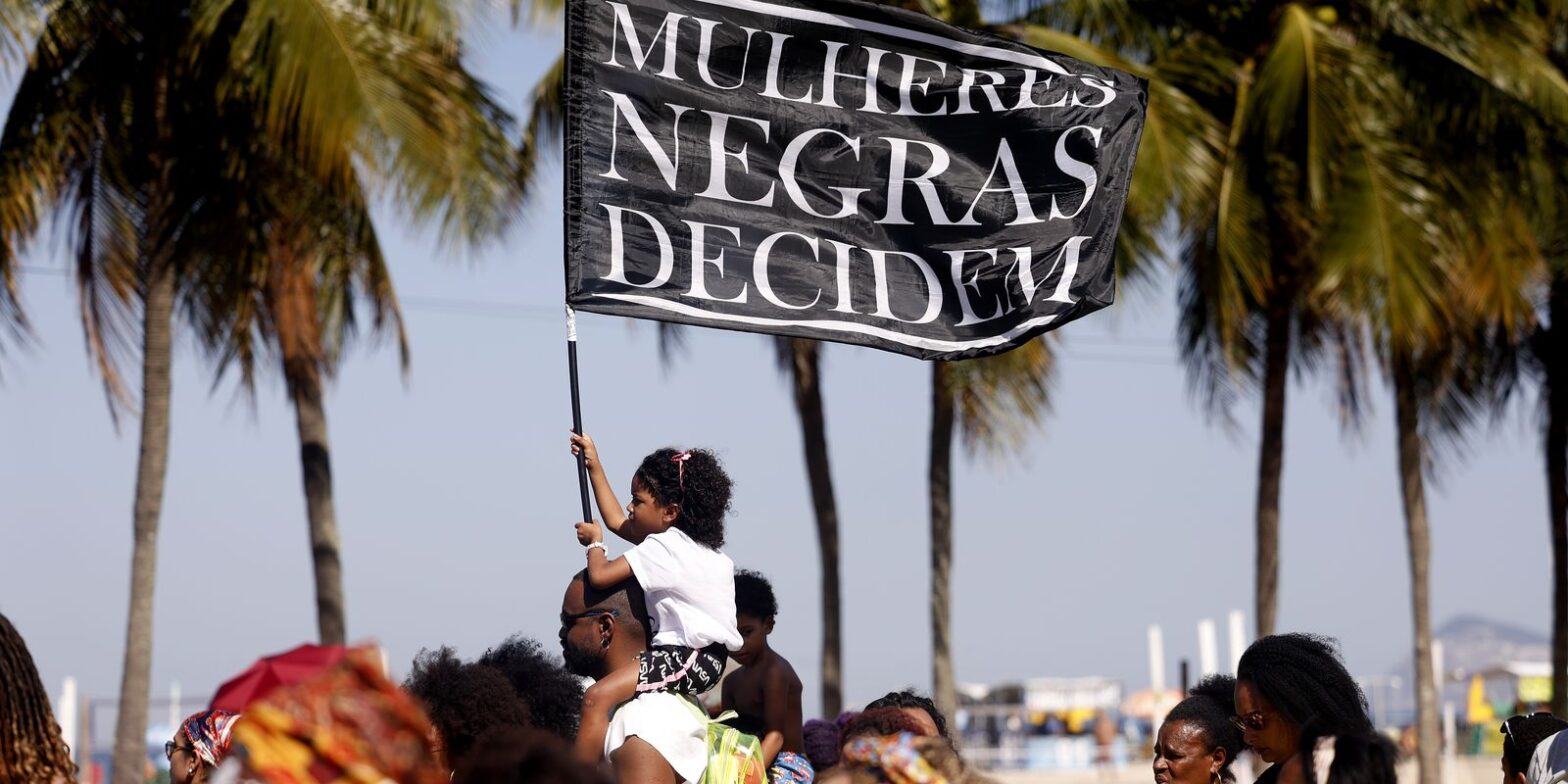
column 1472, row 643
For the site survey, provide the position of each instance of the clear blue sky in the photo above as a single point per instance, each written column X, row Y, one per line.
column 456, row 493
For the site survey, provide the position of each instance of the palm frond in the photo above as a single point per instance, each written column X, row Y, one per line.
column 1507, row 52
column 546, row 118
column 1302, row 95
column 61, row 154
column 1225, row 274
column 20, row 23
column 1115, row 25
column 536, row 12
column 1384, row 253
column 998, row 399
column 381, row 86
column 468, row 183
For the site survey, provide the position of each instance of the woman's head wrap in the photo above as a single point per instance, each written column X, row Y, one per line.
column 348, row 725
column 896, row 758
column 210, row 733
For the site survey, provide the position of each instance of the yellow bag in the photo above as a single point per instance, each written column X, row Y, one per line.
column 733, row 756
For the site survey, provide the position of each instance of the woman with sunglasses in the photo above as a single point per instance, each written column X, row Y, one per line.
column 199, row 745
column 1285, row 681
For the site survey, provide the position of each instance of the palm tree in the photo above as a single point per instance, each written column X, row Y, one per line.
column 991, row 402
column 118, row 96
column 1314, row 176
column 1246, row 225
column 311, row 249
column 94, row 132
column 1251, row 262
column 801, row 361
column 1544, row 348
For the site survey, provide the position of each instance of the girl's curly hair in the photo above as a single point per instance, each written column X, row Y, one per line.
column 698, row 485
column 31, row 748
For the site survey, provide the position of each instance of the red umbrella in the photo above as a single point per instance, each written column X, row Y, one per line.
column 270, row 672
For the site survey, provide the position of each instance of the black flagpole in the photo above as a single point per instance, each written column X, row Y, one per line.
column 577, row 407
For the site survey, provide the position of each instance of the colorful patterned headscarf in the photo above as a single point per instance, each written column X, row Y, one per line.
column 895, row 757
column 210, row 733
column 349, row 725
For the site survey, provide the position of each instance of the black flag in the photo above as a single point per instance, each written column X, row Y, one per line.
column 840, row 171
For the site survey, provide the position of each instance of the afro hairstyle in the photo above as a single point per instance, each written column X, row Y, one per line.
column 553, row 695
column 464, row 701
column 754, row 596
column 1303, row 677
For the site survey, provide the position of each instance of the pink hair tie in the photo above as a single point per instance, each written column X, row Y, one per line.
column 680, row 460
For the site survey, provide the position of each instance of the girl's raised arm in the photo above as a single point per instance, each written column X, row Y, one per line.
column 610, row 508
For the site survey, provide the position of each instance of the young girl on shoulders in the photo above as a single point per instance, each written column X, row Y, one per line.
column 676, row 521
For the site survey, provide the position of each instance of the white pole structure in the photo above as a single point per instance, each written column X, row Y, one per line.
column 1156, row 659
column 175, row 715
column 1438, row 677
column 1208, row 648
column 1238, row 638
column 65, row 714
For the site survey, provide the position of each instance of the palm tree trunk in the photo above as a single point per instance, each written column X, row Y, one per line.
column 805, row 367
column 129, row 763
column 130, row 728
column 1413, row 490
column 943, row 685
column 1271, row 456
column 310, row 416
column 1556, row 361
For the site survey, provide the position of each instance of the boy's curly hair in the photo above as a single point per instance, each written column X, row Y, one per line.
column 754, row 596
column 700, row 488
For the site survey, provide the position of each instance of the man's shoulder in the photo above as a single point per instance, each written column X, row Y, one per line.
column 660, row 705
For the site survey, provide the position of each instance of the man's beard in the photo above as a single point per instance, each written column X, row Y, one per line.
column 587, row 663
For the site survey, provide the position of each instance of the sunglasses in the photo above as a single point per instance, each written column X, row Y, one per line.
column 569, row 619
column 169, row 747
column 1508, row 730
column 1253, row 721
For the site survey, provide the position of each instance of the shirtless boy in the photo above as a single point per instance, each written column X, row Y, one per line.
column 765, row 690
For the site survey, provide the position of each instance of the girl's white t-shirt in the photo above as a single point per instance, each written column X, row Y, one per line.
column 690, row 590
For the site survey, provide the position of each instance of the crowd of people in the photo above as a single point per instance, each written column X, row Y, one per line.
column 653, row 631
